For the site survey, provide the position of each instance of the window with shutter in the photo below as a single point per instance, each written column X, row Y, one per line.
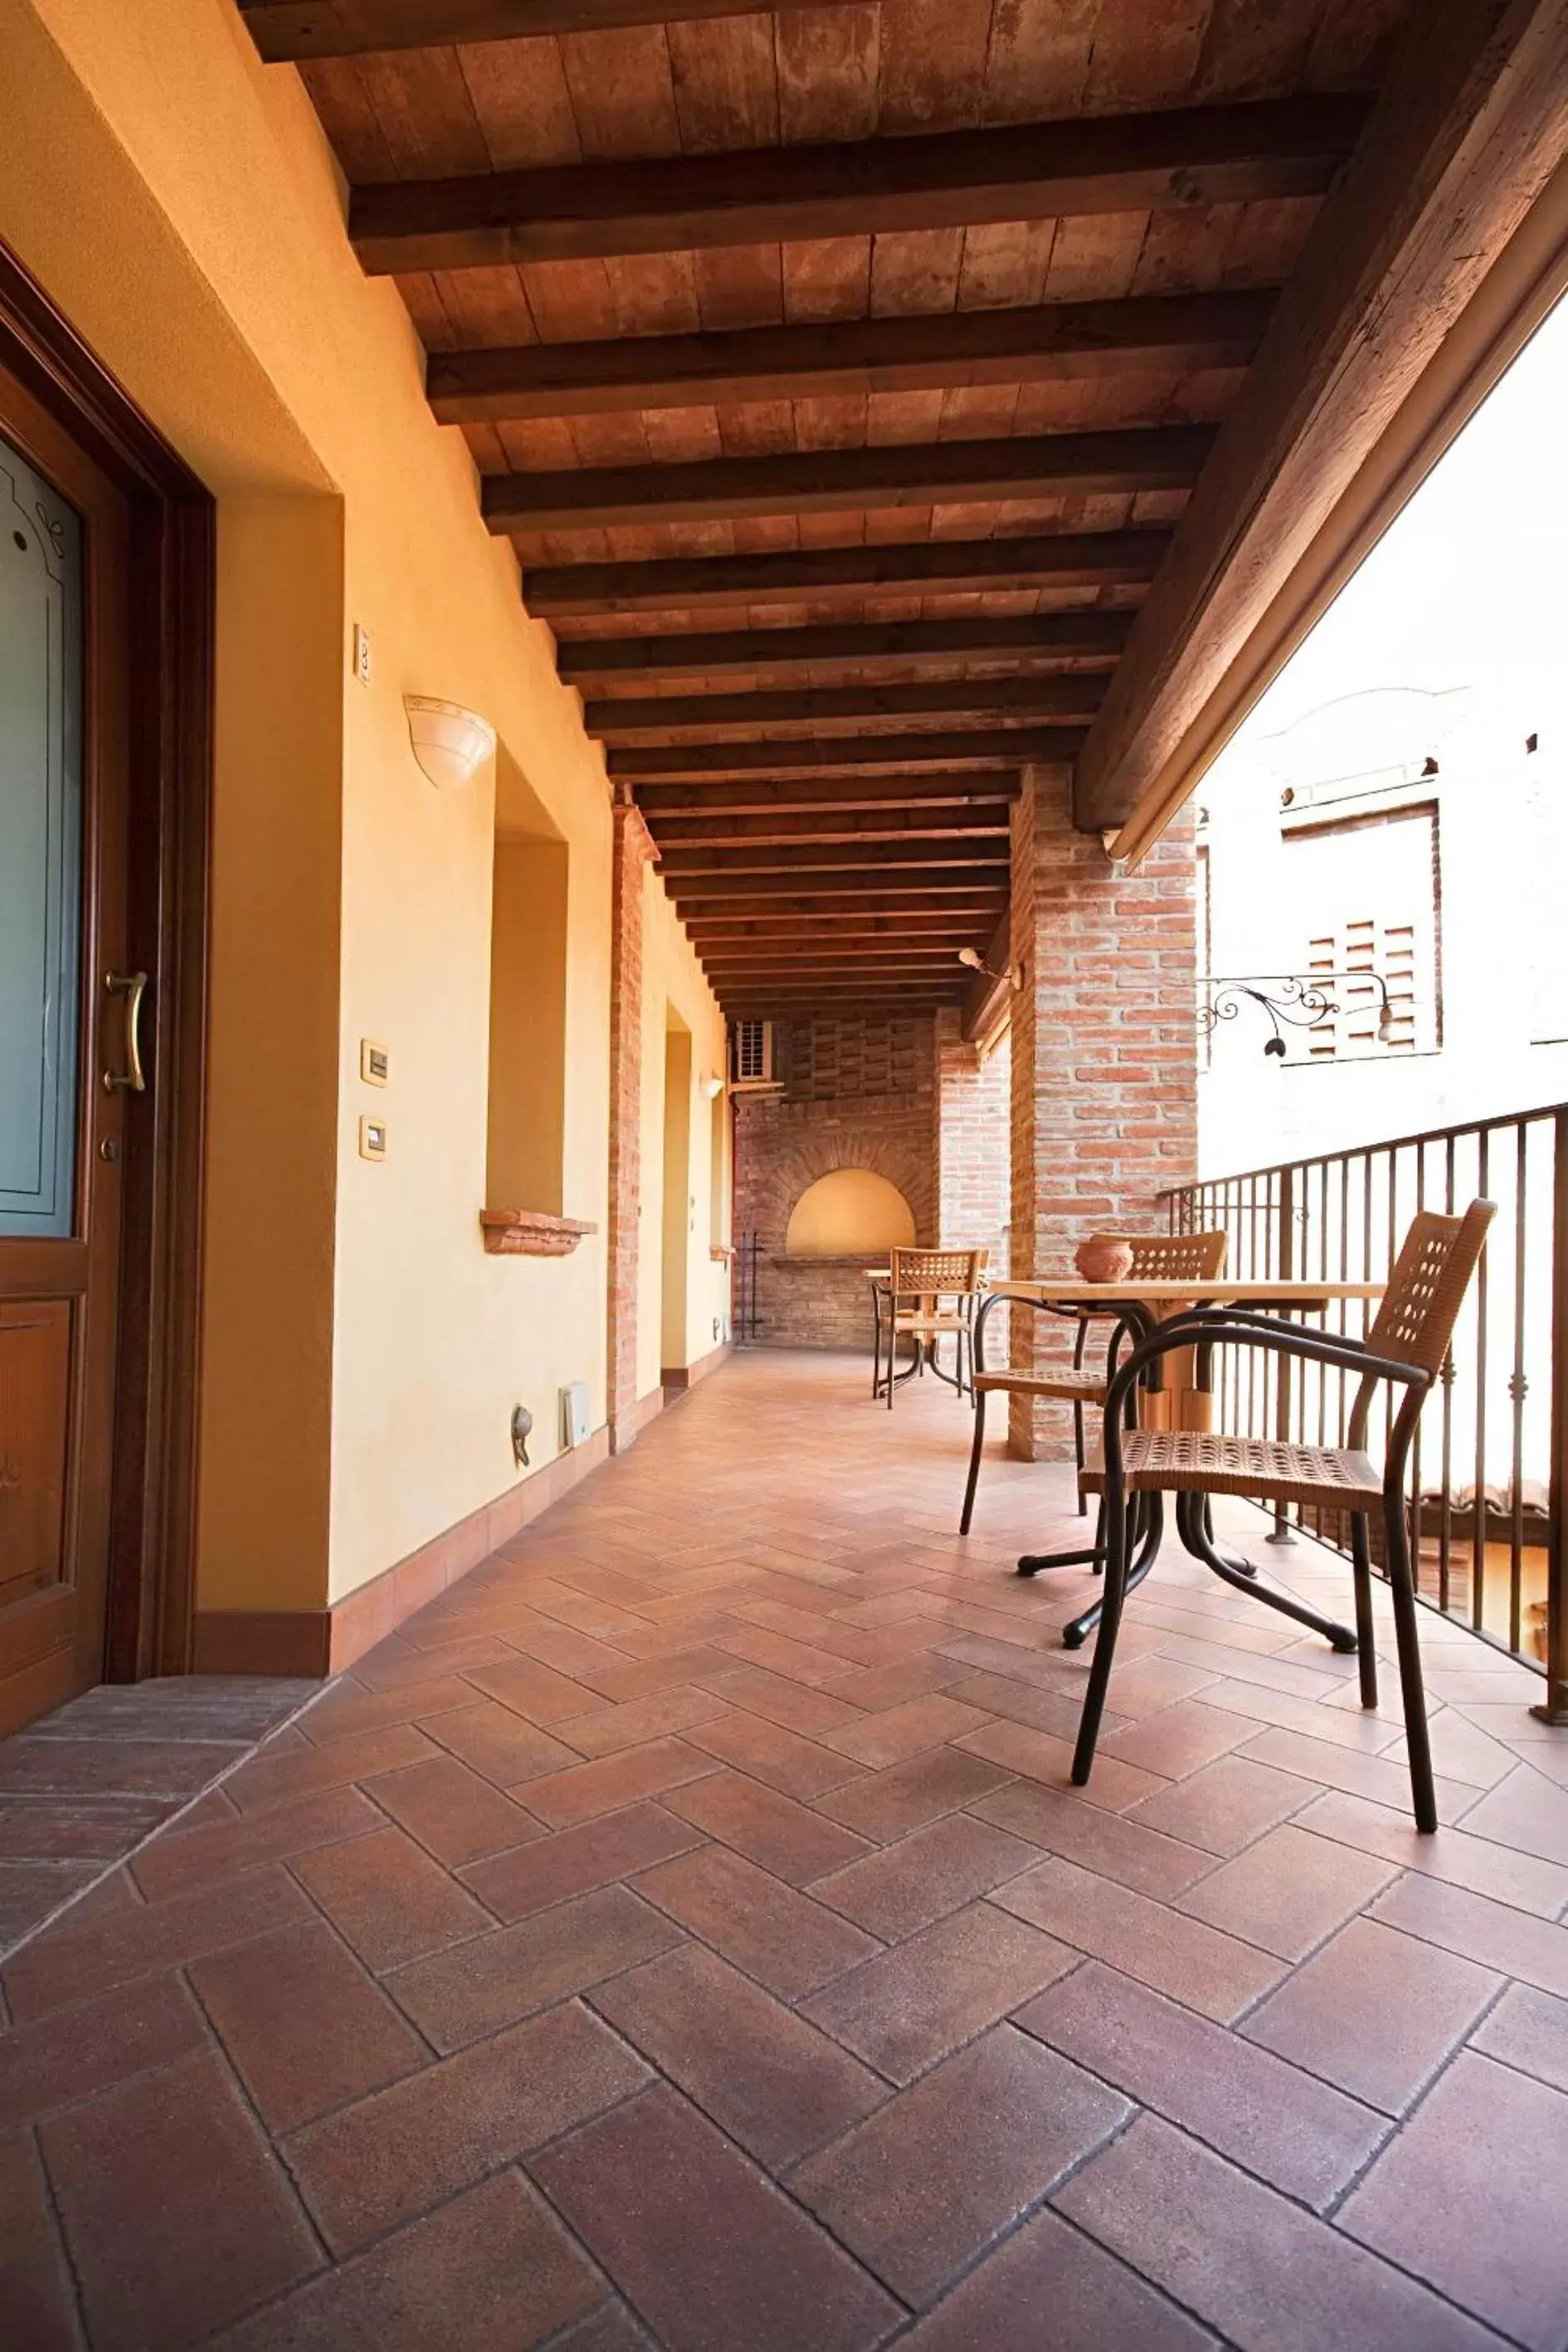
column 1369, row 891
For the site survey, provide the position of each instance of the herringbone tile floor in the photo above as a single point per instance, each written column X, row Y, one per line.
column 683, row 1933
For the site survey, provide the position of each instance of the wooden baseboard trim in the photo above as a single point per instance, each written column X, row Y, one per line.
column 680, row 1377
column 315, row 1643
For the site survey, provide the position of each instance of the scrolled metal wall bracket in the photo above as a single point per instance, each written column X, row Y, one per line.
column 1287, row 999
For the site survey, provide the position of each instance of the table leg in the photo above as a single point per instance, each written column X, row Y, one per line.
column 1192, row 1526
column 1078, row 1631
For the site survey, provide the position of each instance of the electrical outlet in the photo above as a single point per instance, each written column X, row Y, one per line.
column 361, row 655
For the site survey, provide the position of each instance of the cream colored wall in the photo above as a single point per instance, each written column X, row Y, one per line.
column 672, row 978
column 178, row 203
column 850, row 1210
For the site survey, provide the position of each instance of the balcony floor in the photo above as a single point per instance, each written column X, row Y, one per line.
column 682, row 1933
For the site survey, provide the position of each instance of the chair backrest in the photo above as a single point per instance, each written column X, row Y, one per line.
column 1171, row 1258
column 1427, row 1288
column 930, row 1273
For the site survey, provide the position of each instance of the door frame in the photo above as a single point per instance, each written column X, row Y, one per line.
column 172, row 573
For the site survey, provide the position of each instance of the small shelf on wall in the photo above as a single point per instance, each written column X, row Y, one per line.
column 530, row 1232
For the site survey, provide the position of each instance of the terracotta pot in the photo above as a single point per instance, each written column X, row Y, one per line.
column 1104, row 1261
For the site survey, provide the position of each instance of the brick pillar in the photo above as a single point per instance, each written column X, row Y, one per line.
column 1104, row 1080
column 634, row 849
column 973, row 1151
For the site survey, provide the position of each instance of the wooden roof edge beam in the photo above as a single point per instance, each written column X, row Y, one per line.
column 656, row 716
column 951, row 179
column 1086, row 634
column 1390, row 332
column 1046, row 342
column 1002, row 747
column 298, row 31
column 1089, row 559
column 762, row 796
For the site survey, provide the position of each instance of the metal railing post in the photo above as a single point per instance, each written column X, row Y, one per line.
column 1281, row 1532
column 1556, row 1707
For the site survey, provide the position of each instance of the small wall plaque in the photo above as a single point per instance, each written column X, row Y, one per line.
column 372, row 1138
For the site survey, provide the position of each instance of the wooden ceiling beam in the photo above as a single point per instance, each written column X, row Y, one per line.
column 986, row 860
column 653, row 718
column 955, row 884
column 829, row 795
column 1086, row 636
column 979, row 821
column 302, row 30
column 1470, row 128
column 832, row 482
column 1047, row 343
column 995, row 747
column 1104, row 163
column 1087, row 560
column 767, row 926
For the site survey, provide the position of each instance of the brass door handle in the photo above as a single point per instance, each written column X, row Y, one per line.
column 132, row 986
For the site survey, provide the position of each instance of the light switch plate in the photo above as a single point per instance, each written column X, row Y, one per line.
column 372, row 1138
column 361, row 655
column 375, row 1061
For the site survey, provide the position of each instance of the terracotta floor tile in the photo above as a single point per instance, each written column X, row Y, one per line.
column 1249, row 2263
column 1192, row 1962
column 276, row 1775
column 1499, row 1872
column 458, row 1996
column 605, row 1730
column 187, row 1859
column 32, row 1892
column 583, row 1792
column 98, row 1829
column 1464, row 2198
column 1146, row 1686
column 1047, row 1670
column 1115, row 1845
column 1224, row 1807
column 907, row 1730
column 1298, row 2134
column 304, row 2026
column 389, row 1899
column 1528, row 2030
column 1180, row 1740
column 773, row 2082
column 878, row 1687
column 1478, row 1929
column 177, row 2215
column 499, row 1745
column 348, row 1706
column 33, row 1764
column 1049, row 2289
column 1039, row 1756
column 1042, row 1710
column 792, row 1704
column 783, row 1938
column 1287, row 1891
column 900, row 1888
column 641, row 1678
column 766, row 1751
column 575, row 1655
column 493, row 2268
column 795, row 1660
column 1374, row 2011
column 69, row 2053
column 793, row 1842
column 887, row 1805
column 611, row 2328
column 531, row 1688
column 36, row 2301
column 452, row 1813
column 909, row 2007
column 394, row 1661
column 918, row 2189
column 708, row 2249
column 573, row 1862
column 371, row 2167
column 74, row 1961
column 1526, row 1811
column 1373, row 1776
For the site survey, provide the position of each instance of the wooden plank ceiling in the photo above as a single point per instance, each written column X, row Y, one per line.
column 838, row 373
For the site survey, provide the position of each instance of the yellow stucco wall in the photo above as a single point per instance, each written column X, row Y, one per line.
column 177, row 201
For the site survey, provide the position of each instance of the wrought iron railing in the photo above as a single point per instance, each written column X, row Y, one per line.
column 1488, row 1471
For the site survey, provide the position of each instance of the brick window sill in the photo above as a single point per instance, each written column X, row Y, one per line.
column 530, row 1232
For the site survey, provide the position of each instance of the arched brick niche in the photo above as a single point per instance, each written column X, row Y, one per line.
column 856, row 1095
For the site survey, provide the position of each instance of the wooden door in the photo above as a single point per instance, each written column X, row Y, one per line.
column 69, row 1015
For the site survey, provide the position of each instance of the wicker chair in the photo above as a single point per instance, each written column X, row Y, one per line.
column 1407, row 1346
column 920, row 1282
column 1157, row 1257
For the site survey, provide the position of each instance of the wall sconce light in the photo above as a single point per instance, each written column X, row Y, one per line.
column 712, row 1088
column 975, row 961
column 1296, row 1000
column 450, row 743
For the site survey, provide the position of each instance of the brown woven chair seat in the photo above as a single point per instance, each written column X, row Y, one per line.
column 1200, row 1462
column 1075, row 1385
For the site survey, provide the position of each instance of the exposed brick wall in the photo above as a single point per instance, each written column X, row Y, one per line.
column 857, row 1094
column 633, row 849
column 973, row 1154
column 1104, row 1077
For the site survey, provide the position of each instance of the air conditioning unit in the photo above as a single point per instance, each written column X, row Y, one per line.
column 752, row 1070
